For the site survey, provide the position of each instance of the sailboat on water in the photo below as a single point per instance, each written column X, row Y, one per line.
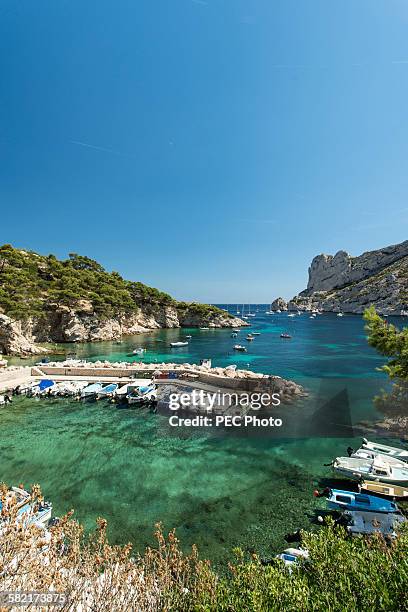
column 270, row 311
column 249, row 313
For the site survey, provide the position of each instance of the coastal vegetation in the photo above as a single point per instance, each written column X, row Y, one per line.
column 392, row 343
column 342, row 573
column 32, row 284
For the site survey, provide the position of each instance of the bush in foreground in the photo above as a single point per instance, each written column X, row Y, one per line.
column 343, row 573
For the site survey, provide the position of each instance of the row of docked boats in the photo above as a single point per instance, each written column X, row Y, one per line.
column 381, row 472
column 374, row 462
column 140, row 392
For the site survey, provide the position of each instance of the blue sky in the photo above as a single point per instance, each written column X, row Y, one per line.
column 209, row 148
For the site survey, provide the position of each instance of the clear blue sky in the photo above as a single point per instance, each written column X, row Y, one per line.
column 209, row 148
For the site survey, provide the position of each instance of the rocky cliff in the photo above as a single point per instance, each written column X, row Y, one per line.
column 44, row 300
column 350, row 284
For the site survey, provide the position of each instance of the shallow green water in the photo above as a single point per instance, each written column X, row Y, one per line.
column 219, row 488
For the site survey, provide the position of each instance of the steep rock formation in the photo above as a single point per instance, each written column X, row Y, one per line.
column 351, row 284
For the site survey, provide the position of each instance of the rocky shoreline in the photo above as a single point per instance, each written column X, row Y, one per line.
column 65, row 325
column 342, row 283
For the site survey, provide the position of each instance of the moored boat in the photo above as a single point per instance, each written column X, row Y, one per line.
column 349, row 500
column 239, row 347
column 177, row 344
column 91, row 390
column 366, row 453
column 107, row 391
column 286, row 336
column 368, row 523
column 377, row 469
column 380, row 489
column 143, row 395
column 392, row 451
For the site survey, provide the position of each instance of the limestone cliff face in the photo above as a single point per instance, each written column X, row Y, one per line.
column 66, row 325
column 351, row 284
column 334, row 272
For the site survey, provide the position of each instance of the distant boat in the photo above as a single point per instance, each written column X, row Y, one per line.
column 139, row 351
column 255, row 333
column 386, row 450
column 287, row 336
column 177, row 344
column 270, row 311
column 239, row 347
column 340, row 314
column 250, row 338
column 249, row 313
column 234, row 335
column 278, row 310
column 204, row 328
column 292, row 314
column 348, row 500
column 237, row 311
column 384, row 490
column 189, row 337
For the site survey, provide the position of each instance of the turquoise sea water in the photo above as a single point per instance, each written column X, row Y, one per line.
column 219, row 488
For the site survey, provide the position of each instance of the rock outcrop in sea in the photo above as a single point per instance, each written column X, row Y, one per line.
column 349, row 284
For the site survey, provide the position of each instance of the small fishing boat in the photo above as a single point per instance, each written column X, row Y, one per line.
column 340, row 314
column 383, row 490
column 348, row 500
column 236, row 330
column 143, row 395
column 239, row 347
column 107, row 391
column 250, row 338
column 44, row 386
column 287, row 336
column 91, row 390
column 189, row 337
column 234, row 335
column 292, row 314
column 391, row 451
column 368, row 523
column 204, row 328
column 366, row 453
column 139, row 351
column 377, row 469
column 255, row 334
column 177, row 344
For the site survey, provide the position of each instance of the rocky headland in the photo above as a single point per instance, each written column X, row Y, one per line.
column 44, row 300
column 342, row 283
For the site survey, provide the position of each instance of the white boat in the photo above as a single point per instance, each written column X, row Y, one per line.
column 368, row 523
column 177, row 344
column 239, row 347
column 107, row 391
column 91, row 390
column 234, row 335
column 278, row 310
column 366, row 453
column 255, row 333
column 358, row 467
column 250, row 337
column 143, row 395
column 139, row 351
column 391, row 451
column 204, row 328
column 292, row 314
column 340, row 314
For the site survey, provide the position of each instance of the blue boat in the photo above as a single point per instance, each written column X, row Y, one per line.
column 107, row 391
column 349, row 500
